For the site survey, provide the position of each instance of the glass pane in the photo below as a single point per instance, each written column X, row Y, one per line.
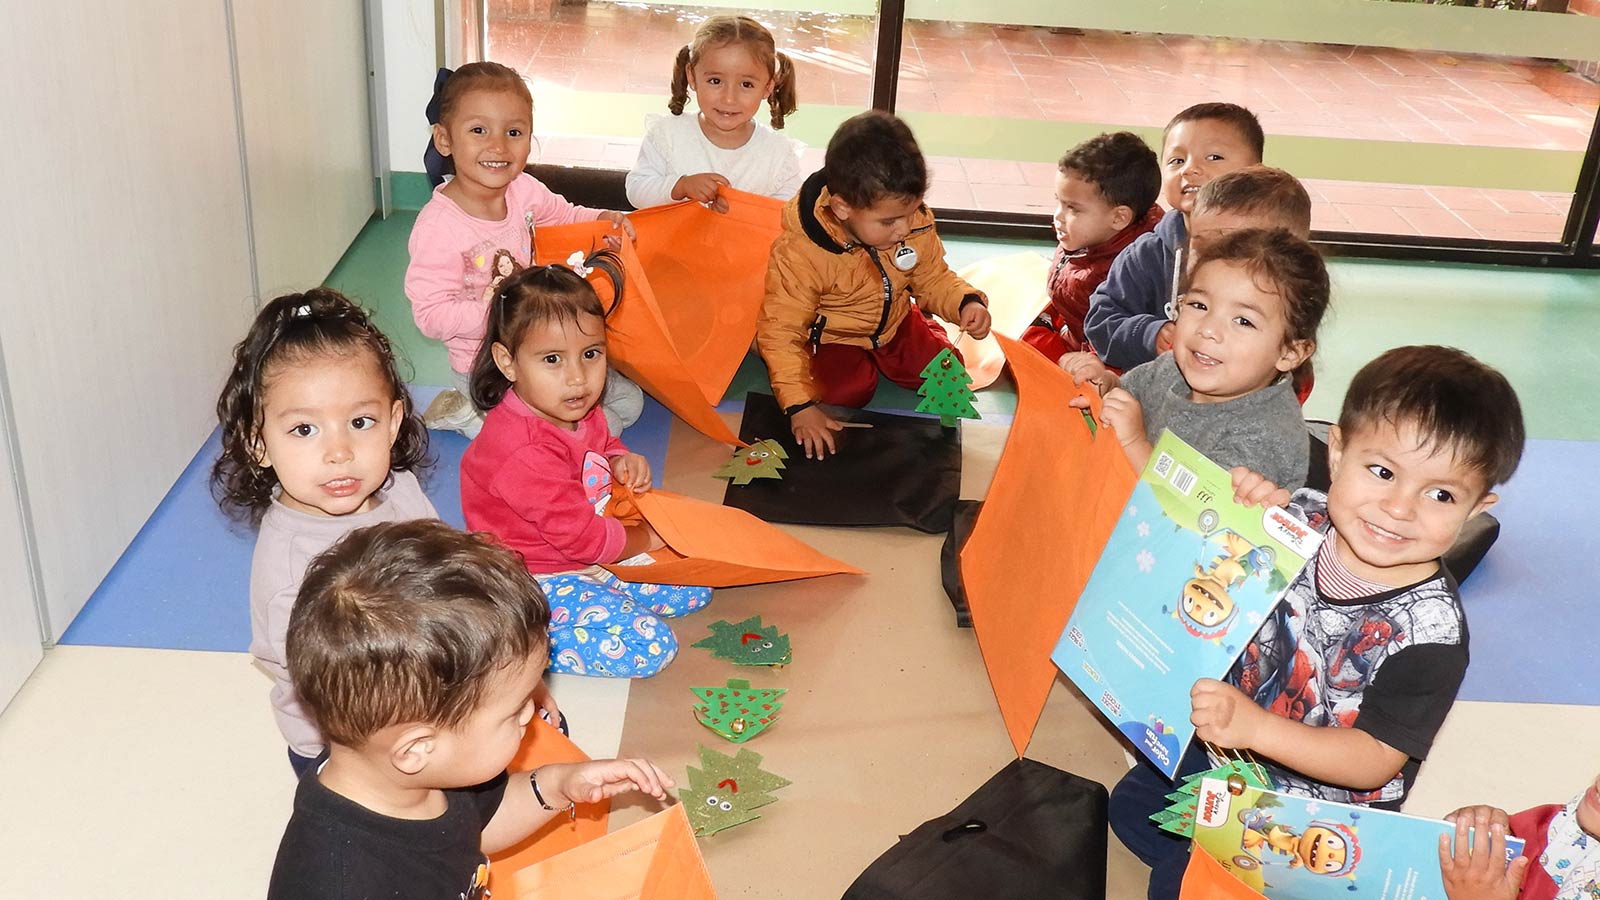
column 1388, row 141
column 597, row 69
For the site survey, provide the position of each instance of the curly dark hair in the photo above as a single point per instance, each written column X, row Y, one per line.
column 552, row 293
column 874, row 156
column 292, row 329
column 1121, row 165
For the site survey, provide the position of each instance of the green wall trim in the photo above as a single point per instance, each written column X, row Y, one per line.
column 410, row 190
column 1344, row 159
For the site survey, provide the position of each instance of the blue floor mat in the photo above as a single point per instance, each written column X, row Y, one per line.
column 184, row 582
column 1530, row 603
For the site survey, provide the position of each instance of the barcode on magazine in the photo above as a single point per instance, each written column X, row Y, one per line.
column 1182, row 480
column 1163, row 464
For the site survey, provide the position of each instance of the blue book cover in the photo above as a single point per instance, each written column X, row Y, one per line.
column 1287, row 847
column 1185, row 580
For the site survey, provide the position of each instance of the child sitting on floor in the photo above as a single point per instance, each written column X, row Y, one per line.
column 417, row 650
column 1106, row 190
column 733, row 66
column 1127, row 322
column 479, row 228
column 857, row 247
column 539, row 476
column 1560, row 855
column 1344, row 687
column 1246, row 319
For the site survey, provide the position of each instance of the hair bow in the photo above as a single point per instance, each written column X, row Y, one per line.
column 575, row 263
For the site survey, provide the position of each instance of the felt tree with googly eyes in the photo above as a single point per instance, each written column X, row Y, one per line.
column 762, row 459
column 747, row 643
column 947, row 389
column 726, row 790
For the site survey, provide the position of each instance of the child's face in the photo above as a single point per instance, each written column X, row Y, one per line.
column 328, row 423
column 559, row 369
column 1084, row 217
column 489, row 136
column 483, row 744
column 1232, row 336
column 881, row 225
column 1588, row 812
column 1397, row 504
column 1194, row 153
column 729, row 87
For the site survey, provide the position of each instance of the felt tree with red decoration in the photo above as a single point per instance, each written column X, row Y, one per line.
column 747, row 643
column 726, row 790
column 762, row 459
column 737, row 712
column 947, row 389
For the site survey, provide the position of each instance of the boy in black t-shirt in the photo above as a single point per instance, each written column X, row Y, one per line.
column 416, row 650
column 1343, row 689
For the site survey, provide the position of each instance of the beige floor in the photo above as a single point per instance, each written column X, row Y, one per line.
column 158, row 774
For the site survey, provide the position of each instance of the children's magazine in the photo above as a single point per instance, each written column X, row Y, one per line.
column 1293, row 848
column 1186, row 578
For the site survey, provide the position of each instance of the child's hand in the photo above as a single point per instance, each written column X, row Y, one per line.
column 617, row 220
column 1164, row 338
column 600, row 779
column 1085, row 367
column 544, row 704
column 632, row 470
column 813, row 431
column 703, row 188
column 1253, row 489
column 975, row 320
column 1223, row 715
column 1477, row 869
column 1121, row 410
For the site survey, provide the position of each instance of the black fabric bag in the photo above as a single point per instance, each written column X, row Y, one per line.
column 966, row 515
column 904, row 470
column 1032, row 831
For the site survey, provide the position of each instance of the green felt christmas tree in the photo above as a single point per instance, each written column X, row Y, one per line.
column 747, row 643
column 726, row 790
column 946, row 389
column 1179, row 817
column 762, row 459
column 738, row 712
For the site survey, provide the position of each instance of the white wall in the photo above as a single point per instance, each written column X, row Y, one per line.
column 19, row 616
column 303, row 91
column 124, row 261
column 410, row 59
column 125, row 250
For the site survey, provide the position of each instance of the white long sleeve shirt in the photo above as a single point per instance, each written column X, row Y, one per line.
column 674, row 146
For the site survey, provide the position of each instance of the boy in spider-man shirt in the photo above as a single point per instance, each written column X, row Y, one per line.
column 1344, row 687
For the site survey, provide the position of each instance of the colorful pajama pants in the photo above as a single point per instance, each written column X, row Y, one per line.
column 605, row 627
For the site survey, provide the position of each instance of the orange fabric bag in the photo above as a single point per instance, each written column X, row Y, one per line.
column 542, row 744
column 1056, row 495
column 654, row 859
column 695, row 281
column 713, row 545
column 1206, row 879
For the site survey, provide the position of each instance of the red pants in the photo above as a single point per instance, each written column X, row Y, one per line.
column 848, row 376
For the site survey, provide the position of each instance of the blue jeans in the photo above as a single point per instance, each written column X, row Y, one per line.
column 1140, row 794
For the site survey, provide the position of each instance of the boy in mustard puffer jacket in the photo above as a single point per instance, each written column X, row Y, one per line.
column 858, row 246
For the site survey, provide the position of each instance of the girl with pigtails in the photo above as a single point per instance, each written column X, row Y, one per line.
column 732, row 65
column 539, row 474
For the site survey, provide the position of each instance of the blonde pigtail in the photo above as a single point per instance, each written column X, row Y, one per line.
column 680, row 82
column 782, row 99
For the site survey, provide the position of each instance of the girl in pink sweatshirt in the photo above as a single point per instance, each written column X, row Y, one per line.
column 479, row 227
column 539, row 476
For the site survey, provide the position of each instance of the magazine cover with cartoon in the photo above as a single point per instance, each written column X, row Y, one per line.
column 1287, row 847
column 1186, row 578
